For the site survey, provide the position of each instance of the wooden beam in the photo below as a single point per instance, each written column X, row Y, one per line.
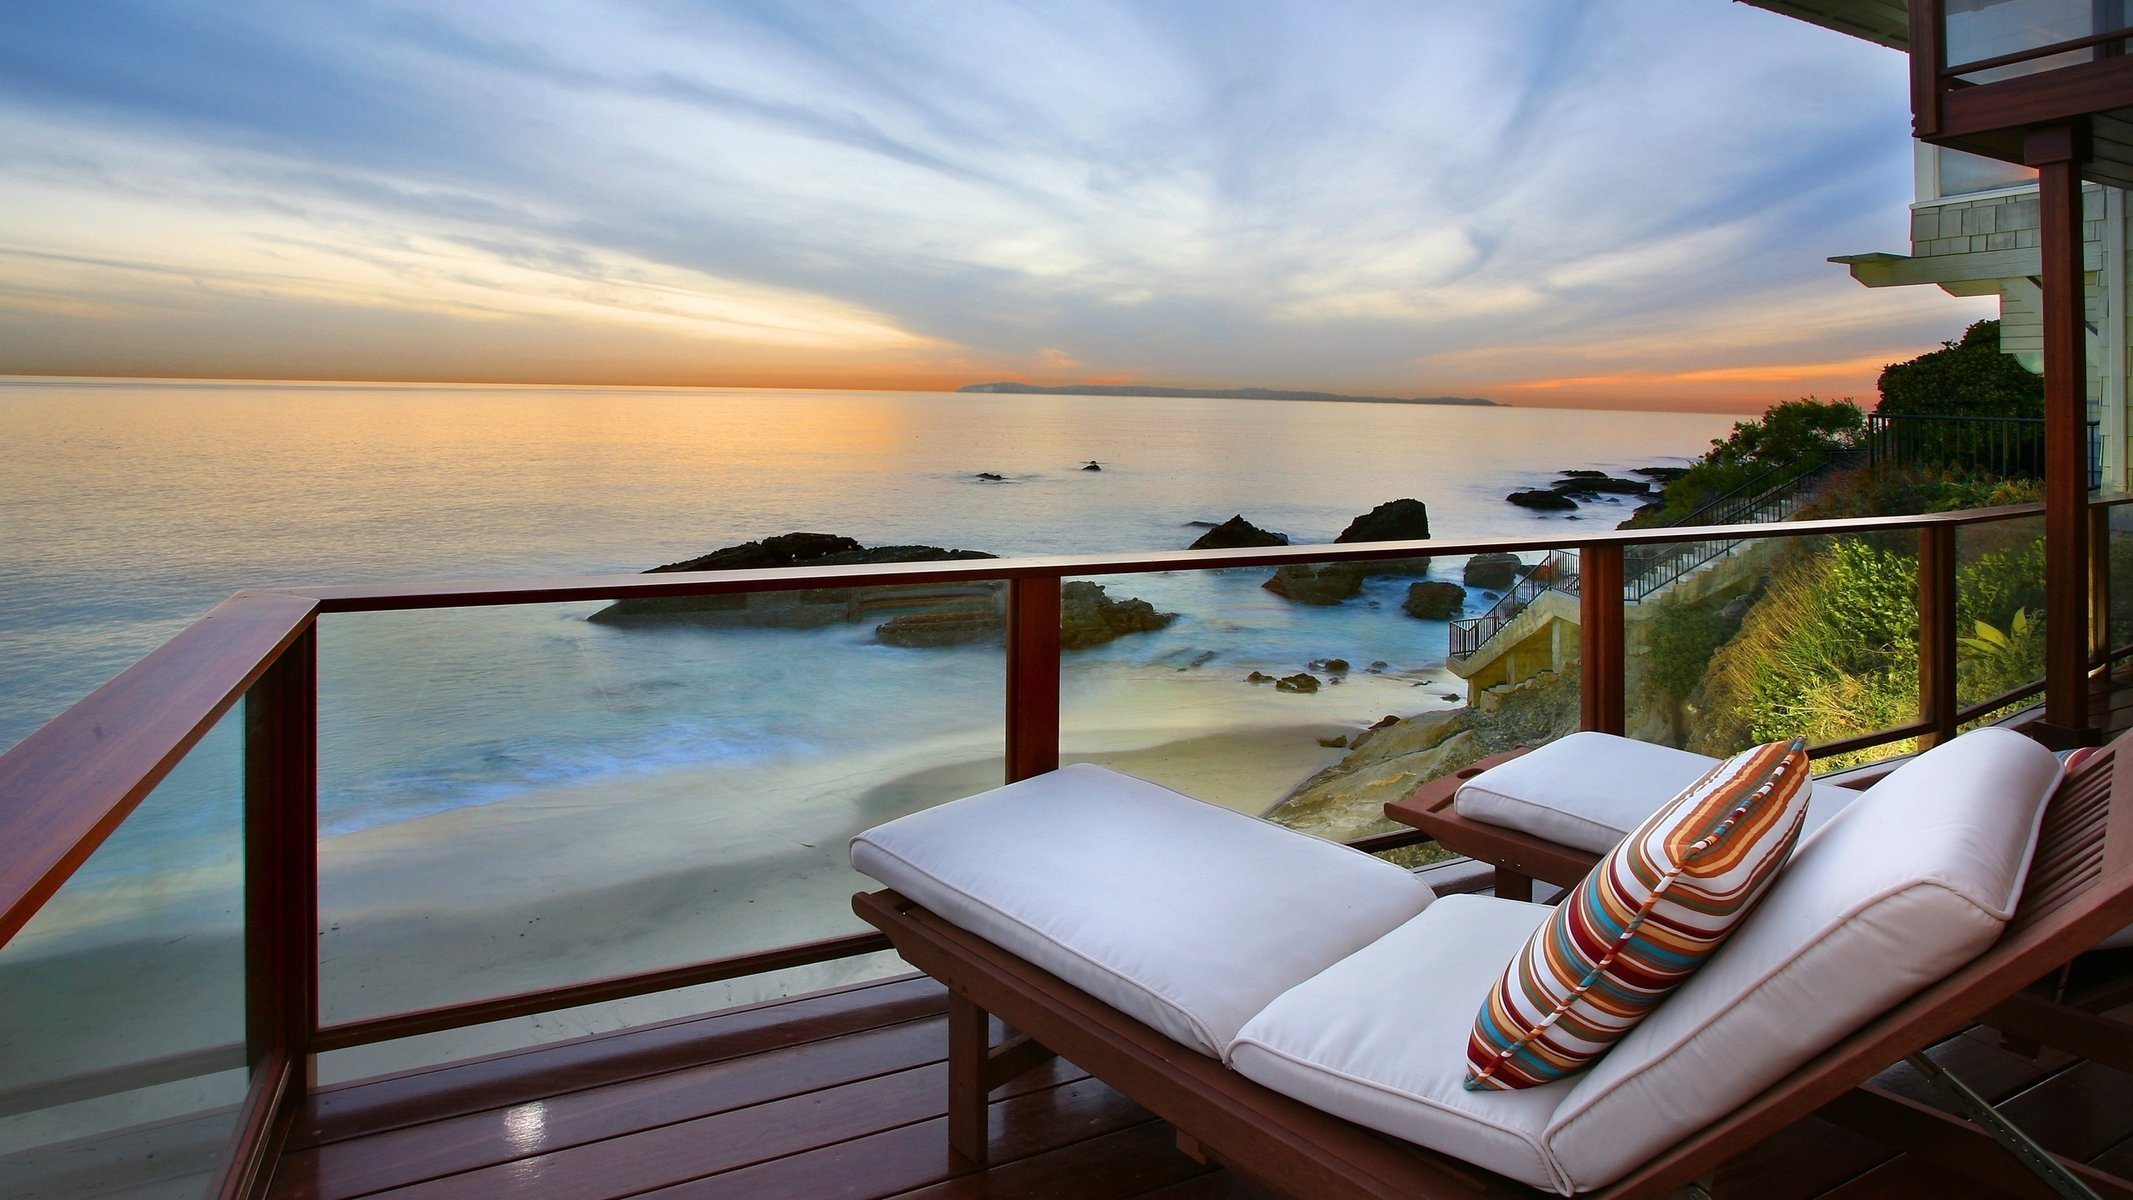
column 1602, row 663
column 1032, row 676
column 2056, row 151
column 2038, row 103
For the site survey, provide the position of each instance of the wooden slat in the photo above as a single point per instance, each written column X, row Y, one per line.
column 64, row 788
column 1117, row 1166
column 2048, row 96
column 411, row 1097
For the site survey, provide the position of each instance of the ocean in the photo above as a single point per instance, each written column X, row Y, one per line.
column 573, row 752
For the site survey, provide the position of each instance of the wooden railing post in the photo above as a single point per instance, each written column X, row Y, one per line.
column 1032, row 676
column 2057, row 152
column 1602, row 662
column 281, row 859
column 1936, row 633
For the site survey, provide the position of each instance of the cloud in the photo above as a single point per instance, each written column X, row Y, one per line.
column 1364, row 195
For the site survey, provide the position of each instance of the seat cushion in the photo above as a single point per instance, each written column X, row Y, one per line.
column 1907, row 884
column 1649, row 913
column 1588, row 790
column 1186, row 916
column 1379, row 1038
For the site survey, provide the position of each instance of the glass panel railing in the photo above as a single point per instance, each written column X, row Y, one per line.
column 517, row 799
column 1314, row 694
column 1999, row 610
column 1978, row 30
column 1804, row 636
column 2120, row 575
column 122, row 1001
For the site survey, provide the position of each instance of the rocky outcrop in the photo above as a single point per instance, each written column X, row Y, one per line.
column 1299, row 682
column 1317, row 583
column 1392, row 521
column 1404, row 520
column 1594, row 483
column 1237, row 534
column 1493, row 572
column 1542, row 500
column 1347, row 799
column 809, row 607
column 1431, row 600
column 927, row 629
column 1088, row 617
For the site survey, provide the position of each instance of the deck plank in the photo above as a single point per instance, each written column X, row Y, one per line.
column 1116, row 1166
column 400, row 1157
column 371, row 1106
column 913, row 1156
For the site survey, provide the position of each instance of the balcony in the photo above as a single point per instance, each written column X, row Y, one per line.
column 1986, row 72
column 836, row 1092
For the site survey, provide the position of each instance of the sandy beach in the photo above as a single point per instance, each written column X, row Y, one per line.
column 578, row 882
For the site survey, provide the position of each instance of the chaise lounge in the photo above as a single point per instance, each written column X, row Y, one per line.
column 1301, row 1012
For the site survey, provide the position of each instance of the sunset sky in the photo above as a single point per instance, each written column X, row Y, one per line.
column 1547, row 202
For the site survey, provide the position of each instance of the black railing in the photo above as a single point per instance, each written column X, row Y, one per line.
column 1771, row 496
column 1557, row 572
column 2011, row 447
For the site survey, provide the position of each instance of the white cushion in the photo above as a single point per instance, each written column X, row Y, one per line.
column 1897, row 891
column 1380, row 1039
column 1590, row 789
column 1184, row 915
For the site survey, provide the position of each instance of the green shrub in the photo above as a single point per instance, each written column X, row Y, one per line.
column 1679, row 644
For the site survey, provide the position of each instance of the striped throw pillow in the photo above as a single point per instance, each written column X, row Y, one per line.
column 1649, row 914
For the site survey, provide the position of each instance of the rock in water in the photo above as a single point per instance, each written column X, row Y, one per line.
column 1546, row 501
column 1432, row 600
column 807, row 608
column 1298, row 682
column 1088, row 617
column 1317, row 583
column 1392, row 521
column 925, row 629
column 1595, row 482
column 1237, row 534
column 990, row 477
column 1493, row 571
column 1093, row 466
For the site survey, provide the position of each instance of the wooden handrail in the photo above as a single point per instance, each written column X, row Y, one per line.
column 64, row 788
column 482, row 593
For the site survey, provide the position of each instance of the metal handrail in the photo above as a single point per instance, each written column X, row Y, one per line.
column 1650, row 568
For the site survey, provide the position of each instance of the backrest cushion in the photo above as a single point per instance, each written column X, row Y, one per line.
column 1646, row 917
column 1911, row 881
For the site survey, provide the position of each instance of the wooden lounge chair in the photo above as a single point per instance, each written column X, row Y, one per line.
column 2079, row 886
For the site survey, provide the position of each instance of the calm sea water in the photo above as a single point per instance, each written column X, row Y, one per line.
column 129, row 509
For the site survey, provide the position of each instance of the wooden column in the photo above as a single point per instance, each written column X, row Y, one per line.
column 2056, row 151
column 2099, row 586
column 1928, row 55
column 1032, row 676
column 1600, row 692
column 281, row 859
column 1936, row 632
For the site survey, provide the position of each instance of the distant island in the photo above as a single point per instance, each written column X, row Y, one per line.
column 1093, row 389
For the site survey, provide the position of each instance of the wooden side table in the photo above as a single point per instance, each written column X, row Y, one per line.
column 1519, row 858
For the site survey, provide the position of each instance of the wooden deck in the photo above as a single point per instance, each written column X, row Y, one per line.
column 842, row 1095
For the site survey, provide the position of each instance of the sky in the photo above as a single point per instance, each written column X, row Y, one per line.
column 1548, row 202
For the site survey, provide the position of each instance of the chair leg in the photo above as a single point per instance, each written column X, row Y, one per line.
column 968, row 1055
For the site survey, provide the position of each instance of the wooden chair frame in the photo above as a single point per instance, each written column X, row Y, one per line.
column 2080, row 888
